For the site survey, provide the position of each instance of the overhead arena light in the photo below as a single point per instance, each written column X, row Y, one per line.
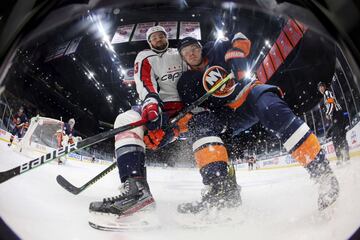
column 219, row 34
column 267, row 43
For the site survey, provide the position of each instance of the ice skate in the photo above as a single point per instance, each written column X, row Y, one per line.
column 219, row 195
column 322, row 174
column 328, row 191
column 128, row 211
column 134, row 196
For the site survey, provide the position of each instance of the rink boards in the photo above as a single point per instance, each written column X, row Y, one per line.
column 352, row 136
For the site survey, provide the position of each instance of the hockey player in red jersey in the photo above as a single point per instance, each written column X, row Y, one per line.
column 239, row 105
column 21, row 123
column 156, row 72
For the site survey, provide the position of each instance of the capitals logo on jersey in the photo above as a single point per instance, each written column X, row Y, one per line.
column 212, row 76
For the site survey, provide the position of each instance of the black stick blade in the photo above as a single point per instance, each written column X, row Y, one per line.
column 67, row 185
column 6, row 175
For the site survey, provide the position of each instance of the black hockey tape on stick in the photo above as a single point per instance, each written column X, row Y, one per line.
column 76, row 190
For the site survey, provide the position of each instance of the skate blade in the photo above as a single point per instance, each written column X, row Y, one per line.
column 212, row 218
column 146, row 219
column 326, row 214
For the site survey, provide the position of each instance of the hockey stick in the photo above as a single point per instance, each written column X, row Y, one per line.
column 199, row 101
column 6, row 175
column 76, row 190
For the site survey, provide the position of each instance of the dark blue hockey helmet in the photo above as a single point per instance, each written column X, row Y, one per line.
column 186, row 42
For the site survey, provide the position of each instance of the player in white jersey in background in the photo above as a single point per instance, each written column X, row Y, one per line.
column 157, row 71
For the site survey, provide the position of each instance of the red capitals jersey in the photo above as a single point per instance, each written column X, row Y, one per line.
column 159, row 73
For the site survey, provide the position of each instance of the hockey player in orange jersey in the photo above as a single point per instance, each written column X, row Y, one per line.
column 240, row 104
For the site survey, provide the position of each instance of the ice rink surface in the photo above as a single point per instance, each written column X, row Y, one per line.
column 277, row 204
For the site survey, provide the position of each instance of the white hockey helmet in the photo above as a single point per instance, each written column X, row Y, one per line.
column 152, row 30
column 71, row 122
column 21, row 109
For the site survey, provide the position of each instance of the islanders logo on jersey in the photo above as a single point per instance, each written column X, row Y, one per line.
column 215, row 74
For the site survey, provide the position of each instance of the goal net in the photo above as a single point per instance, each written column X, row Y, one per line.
column 40, row 138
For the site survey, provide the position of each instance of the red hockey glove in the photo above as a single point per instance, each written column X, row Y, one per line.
column 151, row 111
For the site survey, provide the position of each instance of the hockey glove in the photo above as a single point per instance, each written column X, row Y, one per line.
column 237, row 61
column 182, row 124
column 240, row 41
column 158, row 138
column 151, row 111
column 236, row 56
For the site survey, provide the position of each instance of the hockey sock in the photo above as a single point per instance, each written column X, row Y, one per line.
column 131, row 161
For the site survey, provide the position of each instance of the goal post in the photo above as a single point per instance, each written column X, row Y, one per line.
column 40, row 137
